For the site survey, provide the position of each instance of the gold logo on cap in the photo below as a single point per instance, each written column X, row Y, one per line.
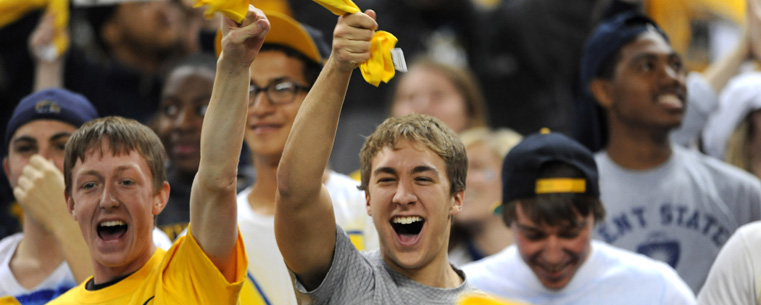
column 561, row 185
column 47, row 106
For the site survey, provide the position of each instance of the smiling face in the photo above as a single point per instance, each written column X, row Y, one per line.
column 409, row 198
column 553, row 253
column 268, row 124
column 44, row 137
column 647, row 89
column 113, row 200
column 183, row 105
column 426, row 91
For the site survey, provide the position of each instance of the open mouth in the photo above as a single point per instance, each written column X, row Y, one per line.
column 113, row 229
column 409, row 226
column 671, row 100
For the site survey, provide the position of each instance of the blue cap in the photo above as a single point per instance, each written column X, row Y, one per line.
column 521, row 168
column 50, row 104
column 603, row 44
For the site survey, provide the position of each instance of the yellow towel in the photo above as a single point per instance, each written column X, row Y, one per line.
column 60, row 9
column 13, row 10
column 234, row 9
column 379, row 67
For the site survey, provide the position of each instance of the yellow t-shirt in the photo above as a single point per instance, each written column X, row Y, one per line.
column 183, row 275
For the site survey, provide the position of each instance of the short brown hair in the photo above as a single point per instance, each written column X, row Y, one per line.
column 422, row 129
column 123, row 136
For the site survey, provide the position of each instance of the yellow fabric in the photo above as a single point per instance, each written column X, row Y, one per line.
column 339, row 7
column 677, row 16
column 379, row 67
column 483, row 299
column 358, row 240
column 281, row 6
column 60, row 8
column 234, row 9
column 560, row 185
column 9, row 300
column 12, row 10
column 183, row 275
column 250, row 295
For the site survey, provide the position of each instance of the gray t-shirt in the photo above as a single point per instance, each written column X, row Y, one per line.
column 364, row 278
column 680, row 212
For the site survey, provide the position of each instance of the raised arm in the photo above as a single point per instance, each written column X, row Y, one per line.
column 48, row 64
column 304, row 223
column 212, row 198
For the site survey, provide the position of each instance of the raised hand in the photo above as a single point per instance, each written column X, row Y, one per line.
column 241, row 42
column 351, row 40
column 40, row 192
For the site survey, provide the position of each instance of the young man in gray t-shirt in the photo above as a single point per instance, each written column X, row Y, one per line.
column 413, row 174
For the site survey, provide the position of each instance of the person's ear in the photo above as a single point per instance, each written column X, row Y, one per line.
column 160, row 200
column 457, row 200
column 602, row 92
column 70, row 205
column 367, row 204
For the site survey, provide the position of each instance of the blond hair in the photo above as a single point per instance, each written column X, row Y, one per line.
column 499, row 141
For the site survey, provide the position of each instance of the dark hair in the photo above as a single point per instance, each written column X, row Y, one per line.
column 608, row 65
column 556, row 208
column 311, row 68
column 203, row 61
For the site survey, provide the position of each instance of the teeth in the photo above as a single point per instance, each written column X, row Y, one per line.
column 669, row 99
column 407, row 220
column 112, row 223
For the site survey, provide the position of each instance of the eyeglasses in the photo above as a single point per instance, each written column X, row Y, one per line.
column 279, row 92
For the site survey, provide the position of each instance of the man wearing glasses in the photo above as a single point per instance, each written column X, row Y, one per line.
column 286, row 67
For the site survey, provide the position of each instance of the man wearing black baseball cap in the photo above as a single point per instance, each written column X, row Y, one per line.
column 662, row 200
column 49, row 256
column 550, row 197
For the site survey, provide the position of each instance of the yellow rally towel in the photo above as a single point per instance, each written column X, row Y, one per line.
column 13, row 10
column 60, row 9
column 234, row 9
column 379, row 67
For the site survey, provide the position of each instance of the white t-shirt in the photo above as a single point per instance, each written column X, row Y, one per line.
column 266, row 267
column 735, row 277
column 56, row 284
column 609, row 276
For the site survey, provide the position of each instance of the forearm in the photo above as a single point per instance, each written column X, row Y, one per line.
column 213, row 208
column 224, row 126
column 48, row 75
column 75, row 250
column 313, row 131
column 719, row 72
